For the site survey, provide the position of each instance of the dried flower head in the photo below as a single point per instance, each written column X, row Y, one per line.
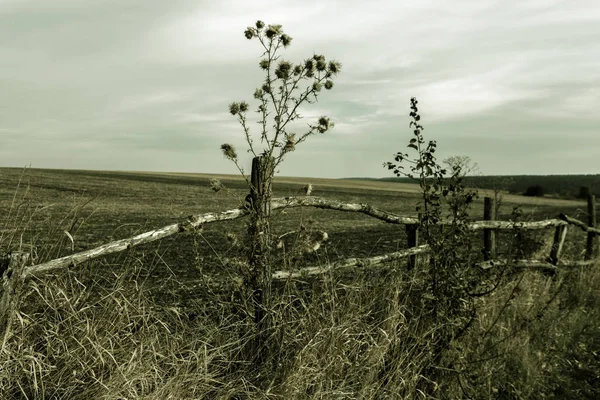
column 335, row 67
column 264, row 64
column 273, row 31
column 283, row 70
column 328, row 85
column 216, row 185
column 297, row 70
column 316, row 86
column 260, row 24
column 290, row 142
column 321, row 65
column 234, row 108
column 266, row 88
column 285, row 40
column 249, row 33
column 243, row 106
column 324, row 124
column 258, row 94
column 229, row 151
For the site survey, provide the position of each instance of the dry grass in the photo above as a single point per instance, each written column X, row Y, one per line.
column 152, row 324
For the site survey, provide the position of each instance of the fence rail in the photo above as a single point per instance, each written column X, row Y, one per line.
column 14, row 270
column 195, row 221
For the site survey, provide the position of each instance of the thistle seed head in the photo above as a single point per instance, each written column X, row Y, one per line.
column 324, row 124
column 335, row 67
column 290, row 142
column 273, row 31
column 229, row 151
column 285, row 40
column 234, row 108
column 283, row 70
column 264, row 64
column 216, row 185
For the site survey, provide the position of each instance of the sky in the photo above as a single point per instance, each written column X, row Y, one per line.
column 145, row 85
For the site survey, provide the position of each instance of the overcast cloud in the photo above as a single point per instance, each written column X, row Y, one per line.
column 145, row 85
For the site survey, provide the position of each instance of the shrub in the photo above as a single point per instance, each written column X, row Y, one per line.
column 584, row 192
column 535, row 191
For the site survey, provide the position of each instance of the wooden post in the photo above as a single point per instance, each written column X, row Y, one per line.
column 559, row 238
column 489, row 235
column 10, row 288
column 412, row 234
column 259, row 236
column 591, row 248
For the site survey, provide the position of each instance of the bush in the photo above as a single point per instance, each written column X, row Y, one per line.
column 535, row 191
column 584, row 192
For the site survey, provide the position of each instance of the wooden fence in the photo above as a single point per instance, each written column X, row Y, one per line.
column 15, row 271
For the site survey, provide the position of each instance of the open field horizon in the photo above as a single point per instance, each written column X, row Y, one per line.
column 348, row 183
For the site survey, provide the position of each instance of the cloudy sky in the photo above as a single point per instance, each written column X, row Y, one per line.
column 145, row 84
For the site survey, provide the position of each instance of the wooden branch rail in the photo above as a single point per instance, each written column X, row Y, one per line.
column 352, row 262
column 193, row 222
column 290, row 202
column 423, row 249
column 542, row 264
column 584, row 227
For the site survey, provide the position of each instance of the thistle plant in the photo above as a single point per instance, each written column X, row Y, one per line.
column 285, row 87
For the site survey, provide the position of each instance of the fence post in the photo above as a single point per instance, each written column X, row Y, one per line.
column 412, row 234
column 560, row 233
column 259, row 235
column 11, row 287
column 591, row 248
column 489, row 235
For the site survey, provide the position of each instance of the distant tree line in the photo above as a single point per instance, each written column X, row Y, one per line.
column 565, row 186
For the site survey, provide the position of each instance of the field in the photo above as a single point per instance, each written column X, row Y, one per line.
column 185, row 341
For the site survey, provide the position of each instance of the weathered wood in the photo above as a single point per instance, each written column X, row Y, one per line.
column 412, row 240
column 11, row 288
column 352, row 262
column 489, row 235
column 290, row 202
column 318, row 202
column 559, row 239
column 542, row 264
column 194, row 222
column 259, row 236
column 191, row 223
column 584, row 227
column 591, row 248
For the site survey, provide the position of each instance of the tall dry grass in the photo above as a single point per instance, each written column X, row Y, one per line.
column 100, row 332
